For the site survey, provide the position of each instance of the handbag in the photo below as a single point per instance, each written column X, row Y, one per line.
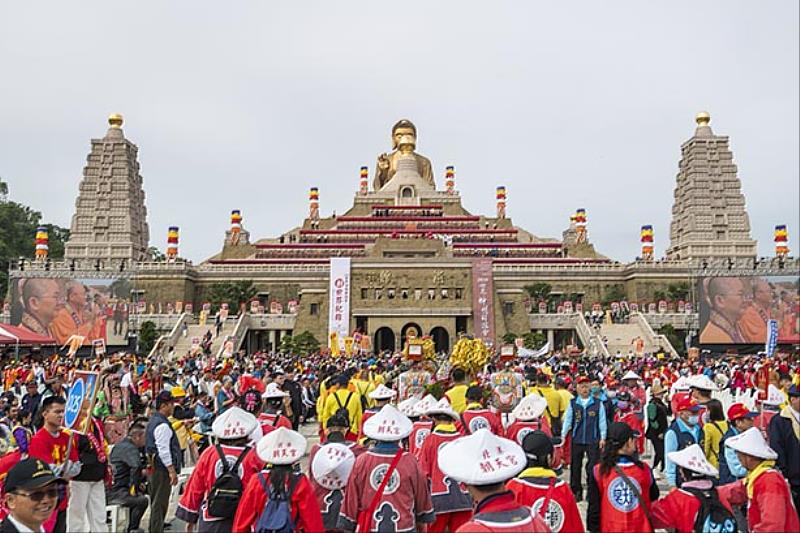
column 365, row 517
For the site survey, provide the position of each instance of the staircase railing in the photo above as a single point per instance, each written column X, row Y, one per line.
column 591, row 340
column 242, row 325
column 656, row 339
column 167, row 341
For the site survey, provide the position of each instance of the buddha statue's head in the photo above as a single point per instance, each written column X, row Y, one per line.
column 404, row 136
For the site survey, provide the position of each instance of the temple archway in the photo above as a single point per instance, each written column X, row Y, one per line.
column 384, row 340
column 441, row 339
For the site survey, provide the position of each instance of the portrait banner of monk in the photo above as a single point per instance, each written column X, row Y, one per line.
column 737, row 310
column 67, row 308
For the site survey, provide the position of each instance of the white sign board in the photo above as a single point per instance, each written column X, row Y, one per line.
column 339, row 299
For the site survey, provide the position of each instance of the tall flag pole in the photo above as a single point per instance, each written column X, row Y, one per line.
column 236, row 225
column 363, row 183
column 172, row 243
column 313, row 203
column 781, row 241
column 42, row 243
column 450, row 179
column 501, row 201
column 647, row 242
column 580, row 224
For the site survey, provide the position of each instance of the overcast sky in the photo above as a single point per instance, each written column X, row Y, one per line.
column 245, row 105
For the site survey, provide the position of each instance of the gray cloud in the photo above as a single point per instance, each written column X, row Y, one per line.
column 247, row 105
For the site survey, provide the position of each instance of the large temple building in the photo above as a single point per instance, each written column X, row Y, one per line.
column 406, row 258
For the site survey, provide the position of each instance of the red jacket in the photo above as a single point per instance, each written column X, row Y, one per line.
column 205, row 473
column 531, row 488
column 447, row 494
column 270, row 422
column 633, row 420
column 477, row 417
column 501, row 513
column 330, row 501
column 519, row 429
column 771, row 507
column 678, row 510
column 53, row 451
column 419, row 432
column 305, row 509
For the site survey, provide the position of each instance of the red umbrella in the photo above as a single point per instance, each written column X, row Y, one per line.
column 15, row 335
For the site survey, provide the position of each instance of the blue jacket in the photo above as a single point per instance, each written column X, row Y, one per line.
column 679, row 436
column 585, row 420
column 730, row 469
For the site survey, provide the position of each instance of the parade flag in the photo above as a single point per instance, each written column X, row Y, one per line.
column 339, row 302
column 781, row 241
column 772, row 337
column 450, row 179
column 42, row 243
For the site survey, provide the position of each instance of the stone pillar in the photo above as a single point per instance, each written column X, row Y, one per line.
column 272, row 337
column 551, row 338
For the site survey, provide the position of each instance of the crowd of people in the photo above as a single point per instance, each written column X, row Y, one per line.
column 405, row 445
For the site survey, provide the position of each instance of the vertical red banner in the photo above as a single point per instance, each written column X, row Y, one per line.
column 483, row 299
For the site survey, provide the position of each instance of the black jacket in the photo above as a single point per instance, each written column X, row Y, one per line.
column 786, row 445
column 7, row 527
column 92, row 469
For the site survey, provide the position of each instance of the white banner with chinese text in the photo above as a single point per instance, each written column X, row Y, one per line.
column 339, row 300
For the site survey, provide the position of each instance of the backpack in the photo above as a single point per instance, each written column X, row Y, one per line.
column 277, row 515
column 342, row 410
column 713, row 516
column 223, row 498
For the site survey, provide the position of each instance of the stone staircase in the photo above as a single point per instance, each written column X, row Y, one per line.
column 620, row 337
column 184, row 344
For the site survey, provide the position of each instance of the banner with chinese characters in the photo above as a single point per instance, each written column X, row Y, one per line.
column 483, row 299
column 339, row 300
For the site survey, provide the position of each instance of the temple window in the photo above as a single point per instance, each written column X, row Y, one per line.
column 313, row 309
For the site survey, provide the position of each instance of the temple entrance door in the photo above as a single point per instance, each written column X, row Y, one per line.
column 441, row 339
column 384, row 340
column 406, row 330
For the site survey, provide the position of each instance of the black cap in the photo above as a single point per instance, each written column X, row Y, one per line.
column 163, row 397
column 620, row 432
column 474, row 393
column 338, row 421
column 537, row 444
column 29, row 474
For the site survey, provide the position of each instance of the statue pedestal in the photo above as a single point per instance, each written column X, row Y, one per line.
column 407, row 186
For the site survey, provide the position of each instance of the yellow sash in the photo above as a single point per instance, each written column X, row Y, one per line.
column 750, row 479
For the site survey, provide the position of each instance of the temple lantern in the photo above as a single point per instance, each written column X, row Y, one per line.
column 313, row 203
column 172, row 243
column 363, row 183
column 450, row 179
column 501, row 201
column 781, row 241
column 236, row 225
column 42, row 243
column 580, row 224
column 647, row 243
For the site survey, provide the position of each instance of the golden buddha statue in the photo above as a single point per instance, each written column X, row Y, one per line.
column 404, row 141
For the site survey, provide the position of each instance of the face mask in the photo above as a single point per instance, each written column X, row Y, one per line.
column 693, row 420
column 596, row 391
column 622, row 405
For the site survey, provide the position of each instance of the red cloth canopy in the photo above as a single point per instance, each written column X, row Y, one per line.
column 15, row 335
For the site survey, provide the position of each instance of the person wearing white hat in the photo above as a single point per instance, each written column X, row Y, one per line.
column 701, row 387
column 452, row 504
column 528, row 418
column 421, row 424
column 200, row 503
column 476, row 416
column 387, row 490
column 770, row 406
column 329, row 468
column 271, row 415
column 696, row 506
column 279, row 450
column 380, row 396
column 485, row 462
column 764, row 489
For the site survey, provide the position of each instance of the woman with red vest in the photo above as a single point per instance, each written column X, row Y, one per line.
column 621, row 487
column 538, row 485
column 485, row 462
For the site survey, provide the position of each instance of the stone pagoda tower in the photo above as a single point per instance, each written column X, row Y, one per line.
column 110, row 220
column 709, row 218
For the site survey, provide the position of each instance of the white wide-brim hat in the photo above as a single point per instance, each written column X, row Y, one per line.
column 273, row 391
column 388, row 425
column 693, row 458
column 234, row 423
column 774, row 396
column 382, row 392
column 332, row 465
column 701, row 381
column 752, row 443
column 631, row 375
column 281, row 447
column 481, row 458
column 442, row 407
column 407, row 406
column 530, row 407
column 422, row 406
column 682, row 383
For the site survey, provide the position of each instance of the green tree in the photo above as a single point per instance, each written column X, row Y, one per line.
column 18, row 225
column 509, row 338
column 534, row 340
column 539, row 291
column 675, row 338
column 233, row 293
column 155, row 254
column 678, row 291
column 304, row 343
column 659, row 295
column 148, row 334
column 615, row 293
